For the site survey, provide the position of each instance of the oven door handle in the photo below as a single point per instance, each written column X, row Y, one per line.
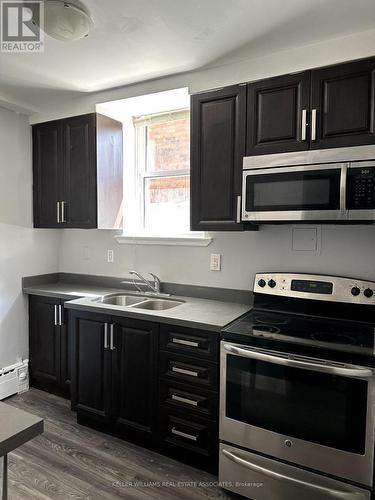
column 331, row 493
column 351, row 372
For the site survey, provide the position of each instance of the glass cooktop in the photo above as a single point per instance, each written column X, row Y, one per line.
column 326, row 333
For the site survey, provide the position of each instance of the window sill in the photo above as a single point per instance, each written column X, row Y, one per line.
column 187, row 241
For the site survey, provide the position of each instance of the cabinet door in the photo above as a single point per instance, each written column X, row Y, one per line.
column 47, row 170
column 218, row 123
column 80, row 209
column 277, row 111
column 91, row 377
column 135, row 377
column 343, row 97
column 44, row 343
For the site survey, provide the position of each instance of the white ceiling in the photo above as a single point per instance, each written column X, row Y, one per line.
column 136, row 40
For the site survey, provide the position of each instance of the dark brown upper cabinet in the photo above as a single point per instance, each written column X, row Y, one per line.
column 342, row 105
column 77, row 165
column 276, row 114
column 218, row 126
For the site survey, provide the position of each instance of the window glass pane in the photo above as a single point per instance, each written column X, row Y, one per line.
column 167, row 204
column 168, row 145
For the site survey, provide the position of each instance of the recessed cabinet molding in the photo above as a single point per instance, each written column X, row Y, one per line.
column 77, row 165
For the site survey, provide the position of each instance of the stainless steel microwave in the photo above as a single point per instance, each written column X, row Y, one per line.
column 335, row 185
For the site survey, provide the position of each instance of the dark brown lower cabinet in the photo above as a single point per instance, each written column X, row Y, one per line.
column 115, row 374
column 153, row 384
column 49, row 345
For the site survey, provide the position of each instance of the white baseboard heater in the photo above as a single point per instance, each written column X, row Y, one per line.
column 14, row 379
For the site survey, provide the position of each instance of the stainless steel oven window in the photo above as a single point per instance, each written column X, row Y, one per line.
column 313, row 447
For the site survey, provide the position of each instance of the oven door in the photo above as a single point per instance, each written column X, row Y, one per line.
column 314, row 192
column 302, row 410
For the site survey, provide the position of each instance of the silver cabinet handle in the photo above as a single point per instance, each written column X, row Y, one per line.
column 313, row 124
column 105, row 335
column 192, row 437
column 303, row 125
column 190, row 343
column 181, row 399
column 58, row 212
column 349, row 495
column 192, row 373
column 238, row 218
column 60, row 315
column 55, row 310
column 63, row 203
column 351, row 372
column 111, row 328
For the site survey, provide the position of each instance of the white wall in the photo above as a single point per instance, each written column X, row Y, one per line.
column 345, row 250
column 23, row 250
column 240, row 66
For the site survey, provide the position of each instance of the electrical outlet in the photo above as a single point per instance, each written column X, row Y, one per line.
column 215, row 262
column 110, row 256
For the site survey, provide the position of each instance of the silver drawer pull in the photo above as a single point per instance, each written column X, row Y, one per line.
column 185, row 342
column 192, row 373
column 188, row 401
column 192, row 437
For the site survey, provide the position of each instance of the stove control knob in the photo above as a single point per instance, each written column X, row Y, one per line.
column 355, row 291
column 261, row 283
column 368, row 293
column 272, row 283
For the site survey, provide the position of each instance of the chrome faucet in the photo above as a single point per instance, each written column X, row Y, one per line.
column 154, row 289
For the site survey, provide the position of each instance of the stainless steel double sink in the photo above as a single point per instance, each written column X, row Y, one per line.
column 139, row 301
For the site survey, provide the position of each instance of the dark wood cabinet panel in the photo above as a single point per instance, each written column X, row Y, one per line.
column 91, row 390
column 78, row 168
column 275, row 113
column 80, row 171
column 65, row 352
column 134, row 375
column 218, row 122
column 47, row 172
column 188, row 341
column 343, row 97
column 49, row 345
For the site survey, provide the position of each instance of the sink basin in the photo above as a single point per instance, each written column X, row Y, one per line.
column 157, row 304
column 139, row 302
column 120, row 300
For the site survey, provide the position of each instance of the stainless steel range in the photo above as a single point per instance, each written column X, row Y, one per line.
column 297, row 402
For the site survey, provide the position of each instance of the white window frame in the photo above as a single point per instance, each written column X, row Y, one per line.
column 141, row 175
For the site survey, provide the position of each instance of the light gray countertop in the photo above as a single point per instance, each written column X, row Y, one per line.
column 17, row 427
column 193, row 312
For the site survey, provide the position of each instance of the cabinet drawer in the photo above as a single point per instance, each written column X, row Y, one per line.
column 189, row 341
column 196, row 400
column 189, row 370
column 192, row 434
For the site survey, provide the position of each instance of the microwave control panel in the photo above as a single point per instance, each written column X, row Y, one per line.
column 361, row 188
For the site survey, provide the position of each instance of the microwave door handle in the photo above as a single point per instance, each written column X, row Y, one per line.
column 325, row 491
column 296, row 363
column 343, row 187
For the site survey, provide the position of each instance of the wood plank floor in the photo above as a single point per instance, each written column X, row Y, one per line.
column 69, row 461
